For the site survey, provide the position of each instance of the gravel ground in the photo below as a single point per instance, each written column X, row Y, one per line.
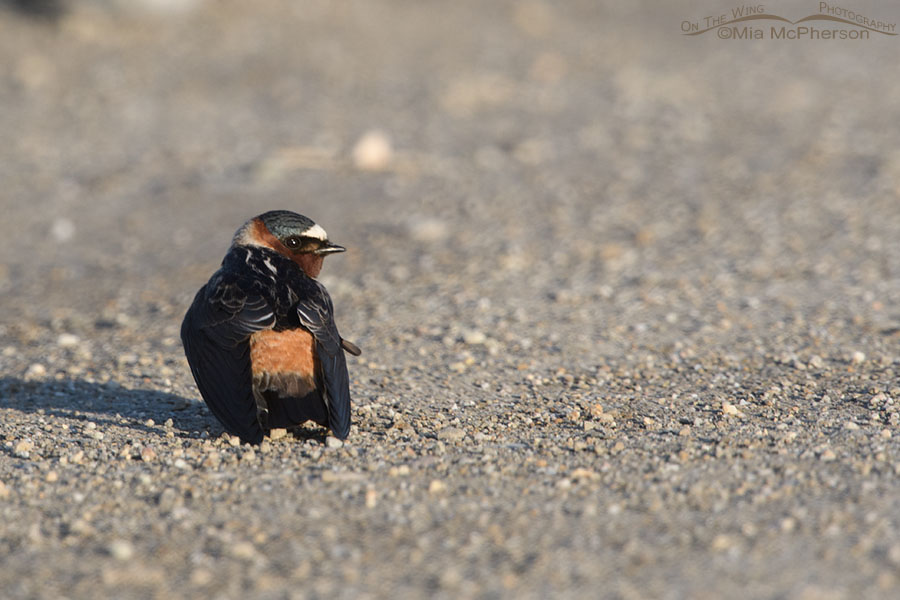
column 627, row 301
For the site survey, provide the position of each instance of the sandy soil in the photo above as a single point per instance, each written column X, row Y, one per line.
column 628, row 302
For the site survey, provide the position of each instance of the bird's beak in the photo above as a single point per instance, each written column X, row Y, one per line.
column 329, row 248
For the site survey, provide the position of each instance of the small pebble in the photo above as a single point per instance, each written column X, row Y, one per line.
column 201, row 576
column 474, row 337
column 121, row 550
column 451, row 434
column 36, row 370
column 62, row 230
column 243, row 550
column 429, row 230
column 333, row 442
column 23, row 446
column 399, row 471
column 858, row 357
column 878, row 399
column 436, row 486
column 722, row 542
column 731, row 410
column 583, row 474
column 277, row 434
column 373, row 151
column 148, row 454
column 67, row 340
column 606, row 419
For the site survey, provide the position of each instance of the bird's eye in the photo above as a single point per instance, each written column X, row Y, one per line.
column 292, row 242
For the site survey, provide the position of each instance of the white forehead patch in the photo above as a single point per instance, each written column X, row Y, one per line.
column 317, row 232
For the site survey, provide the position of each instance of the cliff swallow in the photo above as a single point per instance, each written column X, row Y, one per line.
column 260, row 335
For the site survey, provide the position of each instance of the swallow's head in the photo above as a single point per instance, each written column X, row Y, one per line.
column 295, row 236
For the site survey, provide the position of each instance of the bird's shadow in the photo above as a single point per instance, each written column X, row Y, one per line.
column 112, row 404
column 109, row 404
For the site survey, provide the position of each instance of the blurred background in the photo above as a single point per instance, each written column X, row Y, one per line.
column 581, row 150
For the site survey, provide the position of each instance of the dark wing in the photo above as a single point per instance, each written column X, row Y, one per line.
column 317, row 315
column 215, row 333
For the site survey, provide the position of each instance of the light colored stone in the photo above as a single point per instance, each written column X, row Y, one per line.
column 451, row 434
column 36, row 370
column 428, row 230
column 583, row 474
column 243, row 550
column 564, row 484
column 23, row 446
column 473, row 337
column 67, row 340
column 373, row 151
column 121, row 550
column 731, row 410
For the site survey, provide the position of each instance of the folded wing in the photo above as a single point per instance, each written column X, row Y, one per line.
column 215, row 333
column 317, row 315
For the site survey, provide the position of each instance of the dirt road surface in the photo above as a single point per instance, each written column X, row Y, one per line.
column 627, row 299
